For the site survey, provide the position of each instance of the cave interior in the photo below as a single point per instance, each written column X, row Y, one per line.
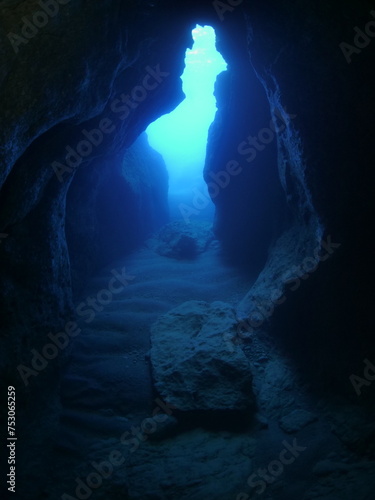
column 157, row 353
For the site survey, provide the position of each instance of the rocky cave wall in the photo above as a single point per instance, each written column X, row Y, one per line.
column 326, row 148
column 114, row 207
column 76, row 85
column 73, row 75
column 250, row 202
column 309, row 181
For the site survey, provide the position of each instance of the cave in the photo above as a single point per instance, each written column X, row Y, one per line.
column 181, row 136
column 149, row 358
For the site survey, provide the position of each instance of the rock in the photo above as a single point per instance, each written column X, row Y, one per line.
column 296, row 420
column 136, row 182
column 354, row 427
column 182, row 241
column 261, row 421
column 326, row 467
column 193, row 368
column 166, row 429
column 337, row 480
column 276, row 395
column 194, row 465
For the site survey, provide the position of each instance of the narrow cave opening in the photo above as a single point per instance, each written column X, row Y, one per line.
column 181, row 136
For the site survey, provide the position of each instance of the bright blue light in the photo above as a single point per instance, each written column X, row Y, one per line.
column 181, row 136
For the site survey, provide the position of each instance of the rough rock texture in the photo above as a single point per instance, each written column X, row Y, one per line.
column 312, row 180
column 192, row 365
column 292, row 74
column 317, row 170
column 219, row 469
column 47, row 111
column 113, row 205
column 275, row 395
column 302, row 178
column 339, row 480
column 57, row 89
column 182, row 241
column 354, row 427
column 296, row 420
column 254, row 182
column 65, row 81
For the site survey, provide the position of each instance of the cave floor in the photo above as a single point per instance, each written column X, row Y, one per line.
column 107, row 397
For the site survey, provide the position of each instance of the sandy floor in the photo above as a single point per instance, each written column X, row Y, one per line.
column 106, row 390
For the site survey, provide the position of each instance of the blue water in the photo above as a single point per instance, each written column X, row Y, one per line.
column 181, row 136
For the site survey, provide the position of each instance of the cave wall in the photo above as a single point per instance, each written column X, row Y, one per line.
column 48, row 109
column 325, row 161
column 66, row 84
column 313, row 180
column 307, row 192
column 113, row 205
column 250, row 202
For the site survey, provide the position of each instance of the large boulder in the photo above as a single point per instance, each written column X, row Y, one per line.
column 182, row 241
column 195, row 364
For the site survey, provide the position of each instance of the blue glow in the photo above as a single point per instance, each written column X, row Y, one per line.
column 181, row 136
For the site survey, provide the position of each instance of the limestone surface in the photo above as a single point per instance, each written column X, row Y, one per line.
column 193, row 368
column 182, row 241
column 296, row 420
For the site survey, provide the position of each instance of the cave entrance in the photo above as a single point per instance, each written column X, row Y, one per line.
column 181, row 136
